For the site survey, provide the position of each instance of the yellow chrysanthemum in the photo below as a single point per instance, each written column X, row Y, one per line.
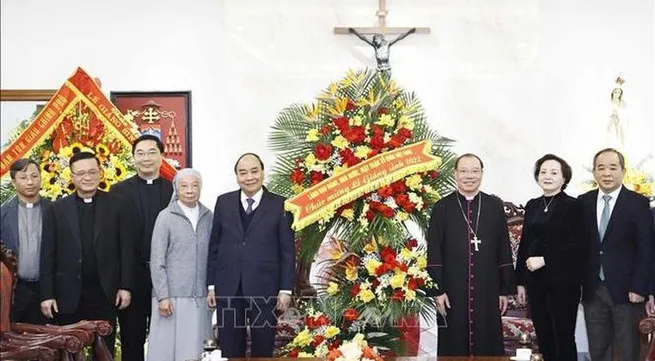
column 366, row 295
column 303, row 338
column 397, row 280
column 385, row 120
column 340, row 142
column 310, row 160
column 414, row 182
column 370, row 248
column 362, row 152
column 55, row 189
column 371, row 265
column 421, row 262
column 66, row 152
column 406, row 122
column 348, row 214
column 356, row 120
column 297, row 188
column 331, row 331
column 66, row 174
column 402, row 216
column 313, row 135
column 338, row 169
column 332, row 288
column 351, row 272
column 410, row 295
column 405, row 254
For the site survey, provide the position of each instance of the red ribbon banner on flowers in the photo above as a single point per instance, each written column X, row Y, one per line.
column 79, row 87
column 322, row 199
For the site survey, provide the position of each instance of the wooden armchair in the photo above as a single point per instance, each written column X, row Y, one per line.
column 20, row 341
column 517, row 319
column 647, row 328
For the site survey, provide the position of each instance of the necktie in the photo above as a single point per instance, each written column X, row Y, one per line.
column 250, row 203
column 602, row 227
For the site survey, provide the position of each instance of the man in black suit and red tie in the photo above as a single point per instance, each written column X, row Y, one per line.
column 620, row 261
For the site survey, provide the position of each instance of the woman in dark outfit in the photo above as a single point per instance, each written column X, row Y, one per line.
column 552, row 259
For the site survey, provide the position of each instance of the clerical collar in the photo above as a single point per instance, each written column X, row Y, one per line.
column 149, row 181
column 86, row 200
column 28, row 205
column 468, row 198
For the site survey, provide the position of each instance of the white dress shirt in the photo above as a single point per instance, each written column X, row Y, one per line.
column 600, row 202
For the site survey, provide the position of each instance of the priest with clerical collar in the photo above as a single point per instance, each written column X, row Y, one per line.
column 141, row 198
column 470, row 259
column 20, row 230
column 85, row 273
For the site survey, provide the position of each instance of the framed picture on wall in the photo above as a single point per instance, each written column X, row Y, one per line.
column 165, row 114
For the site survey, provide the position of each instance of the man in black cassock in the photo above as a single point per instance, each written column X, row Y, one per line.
column 470, row 259
column 85, row 272
column 143, row 196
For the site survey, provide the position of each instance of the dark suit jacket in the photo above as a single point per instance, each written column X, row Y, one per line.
column 9, row 223
column 261, row 258
column 131, row 218
column 561, row 240
column 625, row 252
column 61, row 253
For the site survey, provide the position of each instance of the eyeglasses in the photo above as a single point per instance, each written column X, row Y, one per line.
column 149, row 154
column 83, row 174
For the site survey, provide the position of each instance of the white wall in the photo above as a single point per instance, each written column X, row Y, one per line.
column 508, row 79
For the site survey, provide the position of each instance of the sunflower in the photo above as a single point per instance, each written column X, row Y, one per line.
column 102, row 150
column 119, row 170
column 104, row 186
column 70, row 188
column 77, row 147
column 49, row 167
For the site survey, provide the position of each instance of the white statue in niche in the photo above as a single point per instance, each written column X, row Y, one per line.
column 617, row 125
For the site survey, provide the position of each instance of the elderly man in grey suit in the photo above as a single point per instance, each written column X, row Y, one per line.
column 20, row 230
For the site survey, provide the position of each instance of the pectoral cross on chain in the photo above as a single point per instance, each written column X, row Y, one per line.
column 476, row 242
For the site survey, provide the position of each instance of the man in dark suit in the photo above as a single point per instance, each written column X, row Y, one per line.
column 142, row 197
column 620, row 263
column 20, row 229
column 85, row 272
column 251, row 261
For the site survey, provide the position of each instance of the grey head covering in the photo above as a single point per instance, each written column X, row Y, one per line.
column 181, row 174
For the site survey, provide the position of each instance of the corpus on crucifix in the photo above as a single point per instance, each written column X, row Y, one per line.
column 379, row 40
column 381, row 46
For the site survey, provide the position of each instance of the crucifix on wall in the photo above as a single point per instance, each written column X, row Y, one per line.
column 379, row 41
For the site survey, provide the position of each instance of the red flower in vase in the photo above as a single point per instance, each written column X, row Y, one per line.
column 412, row 284
column 293, row 353
column 325, row 130
column 355, row 134
column 350, row 105
column 323, row 151
column 341, row 123
column 316, row 177
column 388, row 255
column 399, row 187
column 297, row 176
column 317, row 341
column 398, row 295
column 433, row 174
column 403, row 201
column 350, row 314
column 348, row 157
column 383, row 110
column 411, row 243
column 385, row 191
column 355, row 290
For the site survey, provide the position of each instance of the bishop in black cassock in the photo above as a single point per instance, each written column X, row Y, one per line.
column 469, row 257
